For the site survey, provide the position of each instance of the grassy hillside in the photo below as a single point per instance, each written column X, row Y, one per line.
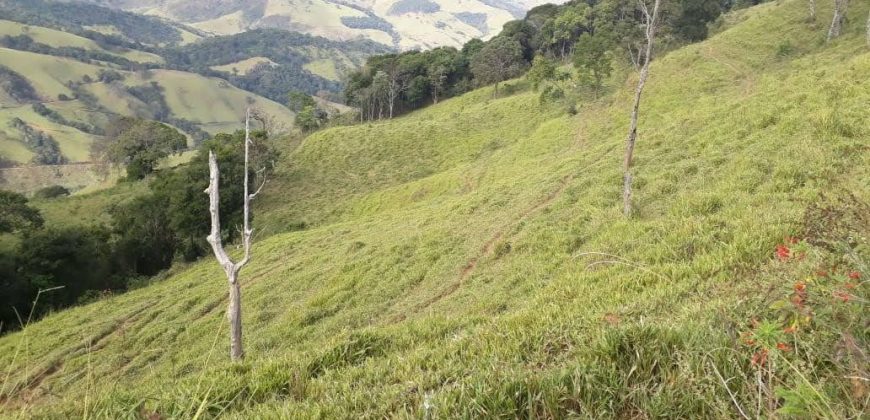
column 185, row 96
column 472, row 258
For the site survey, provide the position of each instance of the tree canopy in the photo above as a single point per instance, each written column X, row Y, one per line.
column 138, row 144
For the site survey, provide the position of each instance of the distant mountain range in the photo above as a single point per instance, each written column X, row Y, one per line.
column 403, row 24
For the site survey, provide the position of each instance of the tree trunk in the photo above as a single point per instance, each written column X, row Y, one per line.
column 868, row 29
column 840, row 7
column 651, row 21
column 812, row 10
column 234, row 315
column 231, row 269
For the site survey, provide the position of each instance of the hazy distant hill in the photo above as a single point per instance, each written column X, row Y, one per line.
column 67, row 69
column 400, row 23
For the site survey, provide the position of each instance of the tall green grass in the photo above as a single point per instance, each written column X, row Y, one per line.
column 470, row 260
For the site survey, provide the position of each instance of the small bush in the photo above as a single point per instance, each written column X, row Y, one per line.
column 53, row 191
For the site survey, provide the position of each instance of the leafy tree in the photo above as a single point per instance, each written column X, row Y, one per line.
column 568, row 26
column 181, row 190
column 17, row 293
column 298, row 100
column 139, row 144
column 592, row 60
column 499, row 60
column 310, row 118
column 145, row 241
column 693, row 16
column 542, row 70
column 16, row 215
column 78, row 259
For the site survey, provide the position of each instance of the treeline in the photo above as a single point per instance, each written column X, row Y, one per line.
column 145, row 235
column 16, row 86
column 44, row 147
column 282, row 47
column 392, row 84
column 26, row 43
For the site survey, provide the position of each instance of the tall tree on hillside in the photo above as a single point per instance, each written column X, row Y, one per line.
column 500, row 59
column 840, row 7
column 592, row 60
column 138, row 144
column 651, row 22
column 234, row 309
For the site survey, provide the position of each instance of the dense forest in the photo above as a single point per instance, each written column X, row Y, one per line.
column 585, row 32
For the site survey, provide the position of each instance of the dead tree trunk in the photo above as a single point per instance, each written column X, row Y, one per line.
column 651, row 22
column 812, row 10
column 231, row 269
column 868, row 29
column 840, row 7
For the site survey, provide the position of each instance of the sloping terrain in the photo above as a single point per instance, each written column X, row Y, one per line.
column 471, row 259
column 202, row 103
column 405, row 24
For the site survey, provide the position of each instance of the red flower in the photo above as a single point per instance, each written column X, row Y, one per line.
column 782, row 252
column 843, row 296
column 759, row 358
column 783, row 347
column 854, row 275
column 800, row 288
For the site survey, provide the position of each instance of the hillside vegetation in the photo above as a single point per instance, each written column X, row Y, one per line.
column 471, row 260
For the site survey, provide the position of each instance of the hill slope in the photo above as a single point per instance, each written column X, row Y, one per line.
column 406, row 24
column 75, row 91
column 472, row 257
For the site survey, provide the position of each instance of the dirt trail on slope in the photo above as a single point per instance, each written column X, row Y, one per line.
column 469, row 267
column 28, row 390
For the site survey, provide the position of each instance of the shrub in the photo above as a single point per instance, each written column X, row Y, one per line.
column 53, row 191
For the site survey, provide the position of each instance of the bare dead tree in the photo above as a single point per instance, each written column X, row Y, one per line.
column 234, row 309
column 840, row 7
column 651, row 20
column 812, row 10
column 868, row 29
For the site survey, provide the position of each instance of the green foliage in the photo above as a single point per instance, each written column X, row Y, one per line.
column 44, row 146
column 500, row 59
column 541, row 71
column 16, row 85
column 138, row 144
column 394, row 298
column 592, row 59
column 297, row 101
column 16, row 215
column 53, row 191
column 77, row 259
column 310, row 118
column 691, row 21
column 76, row 17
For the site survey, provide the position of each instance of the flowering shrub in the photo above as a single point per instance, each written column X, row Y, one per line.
column 817, row 314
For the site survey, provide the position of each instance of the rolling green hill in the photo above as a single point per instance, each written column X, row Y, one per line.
column 67, row 69
column 405, row 24
column 471, row 260
column 92, row 101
